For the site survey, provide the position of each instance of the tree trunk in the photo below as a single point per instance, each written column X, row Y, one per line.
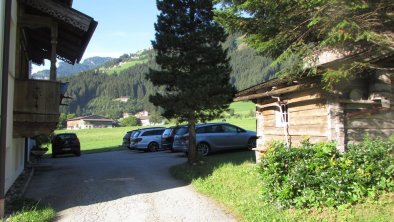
column 192, row 153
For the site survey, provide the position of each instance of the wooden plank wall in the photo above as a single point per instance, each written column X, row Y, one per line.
column 373, row 122
column 308, row 118
column 380, row 124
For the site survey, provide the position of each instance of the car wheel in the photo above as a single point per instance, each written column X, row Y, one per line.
column 251, row 143
column 78, row 154
column 152, row 147
column 129, row 148
column 203, row 149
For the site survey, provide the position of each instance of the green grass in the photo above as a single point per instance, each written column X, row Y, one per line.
column 243, row 108
column 99, row 140
column 31, row 211
column 233, row 180
column 124, row 66
column 248, row 123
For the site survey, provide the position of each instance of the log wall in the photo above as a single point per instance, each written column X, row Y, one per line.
column 378, row 124
column 308, row 118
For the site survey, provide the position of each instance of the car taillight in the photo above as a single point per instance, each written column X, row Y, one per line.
column 185, row 138
column 138, row 140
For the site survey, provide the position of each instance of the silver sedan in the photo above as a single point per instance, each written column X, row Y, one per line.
column 212, row 137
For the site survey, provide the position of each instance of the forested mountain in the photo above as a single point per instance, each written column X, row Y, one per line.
column 65, row 69
column 95, row 91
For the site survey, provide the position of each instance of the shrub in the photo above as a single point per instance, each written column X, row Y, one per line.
column 317, row 175
column 129, row 121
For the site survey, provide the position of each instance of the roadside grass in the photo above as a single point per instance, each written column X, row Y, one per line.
column 32, row 211
column 234, row 181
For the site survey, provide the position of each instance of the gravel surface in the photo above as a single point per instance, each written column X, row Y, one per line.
column 121, row 186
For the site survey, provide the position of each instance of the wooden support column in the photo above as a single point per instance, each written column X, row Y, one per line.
column 54, row 37
column 260, row 142
column 336, row 124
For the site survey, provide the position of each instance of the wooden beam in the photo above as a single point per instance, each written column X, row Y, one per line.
column 35, row 21
column 274, row 92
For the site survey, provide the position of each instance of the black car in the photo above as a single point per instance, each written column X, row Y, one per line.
column 167, row 138
column 65, row 143
column 127, row 139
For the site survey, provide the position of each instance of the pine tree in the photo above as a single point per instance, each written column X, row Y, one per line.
column 290, row 31
column 194, row 69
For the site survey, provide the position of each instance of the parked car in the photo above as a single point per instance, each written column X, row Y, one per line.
column 167, row 138
column 147, row 139
column 127, row 139
column 212, row 137
column 65, row 143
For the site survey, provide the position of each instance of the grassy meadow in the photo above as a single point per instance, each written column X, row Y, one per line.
column 124, row 66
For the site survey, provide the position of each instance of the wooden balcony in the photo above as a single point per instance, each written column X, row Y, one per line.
column 36, row 107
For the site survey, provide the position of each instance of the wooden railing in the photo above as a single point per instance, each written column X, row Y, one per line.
column 36, row 107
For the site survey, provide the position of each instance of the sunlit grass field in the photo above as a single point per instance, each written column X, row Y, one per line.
column 124, row 66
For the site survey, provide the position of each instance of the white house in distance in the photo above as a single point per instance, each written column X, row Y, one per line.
column 89, row 122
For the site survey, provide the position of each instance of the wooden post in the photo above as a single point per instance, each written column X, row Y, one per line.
column 54, row 35
column 336, row 124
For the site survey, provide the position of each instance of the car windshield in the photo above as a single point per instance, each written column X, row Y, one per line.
column 135, row 133
column 182, row 131
column 167, row 132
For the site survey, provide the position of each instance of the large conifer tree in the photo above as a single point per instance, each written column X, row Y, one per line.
column 195, row 70
column 284, row 29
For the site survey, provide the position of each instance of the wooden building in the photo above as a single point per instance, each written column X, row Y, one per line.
column 32, row 31
column 298, row 110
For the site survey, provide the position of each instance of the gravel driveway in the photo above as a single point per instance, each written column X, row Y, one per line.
column 121, row 186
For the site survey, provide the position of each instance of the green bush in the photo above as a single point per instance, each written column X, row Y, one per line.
column 129, row 121
column 317, row 175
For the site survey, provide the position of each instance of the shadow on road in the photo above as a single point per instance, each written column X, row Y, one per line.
column 104, row 177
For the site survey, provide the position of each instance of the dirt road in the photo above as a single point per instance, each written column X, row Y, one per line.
column 121, row 186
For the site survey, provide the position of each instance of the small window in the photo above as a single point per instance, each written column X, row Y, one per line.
column 201, row 130
column 157, row 132
column 282, row 115
column 229, row 129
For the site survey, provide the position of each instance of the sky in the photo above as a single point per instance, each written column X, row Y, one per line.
column 124, row 26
